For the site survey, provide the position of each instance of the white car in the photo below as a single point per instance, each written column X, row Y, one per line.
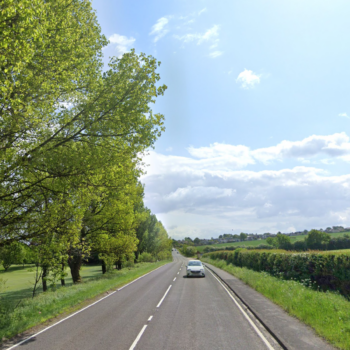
column 195, row 268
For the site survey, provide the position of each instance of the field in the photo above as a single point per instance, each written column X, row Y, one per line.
column 18, row 311
column 20, row 279
column 263, row 241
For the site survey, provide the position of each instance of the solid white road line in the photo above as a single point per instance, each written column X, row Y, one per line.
column 66, row 318
column 174, row 279
column 245, row 315
column 132, row 347
column 161, row 300
column 150, row 318
column 75, row 313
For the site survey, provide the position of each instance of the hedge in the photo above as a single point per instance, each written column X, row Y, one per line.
column 323, row 270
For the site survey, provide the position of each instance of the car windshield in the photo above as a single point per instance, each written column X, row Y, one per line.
column 194, row 263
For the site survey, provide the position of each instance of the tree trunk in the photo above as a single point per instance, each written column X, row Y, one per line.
column 63, row 282
column 119, row 264
column 75, row 263
column 104, row 268
column 43, row 277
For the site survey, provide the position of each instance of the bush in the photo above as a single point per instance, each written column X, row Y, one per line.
column 324, row 271
column 164, row 255
column 188, row 251
column 146, row 257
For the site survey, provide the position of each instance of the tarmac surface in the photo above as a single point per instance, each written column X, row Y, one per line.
column 166, row 310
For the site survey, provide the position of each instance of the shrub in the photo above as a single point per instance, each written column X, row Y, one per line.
column 164, row 255
column 146, row 257
column 323, row 270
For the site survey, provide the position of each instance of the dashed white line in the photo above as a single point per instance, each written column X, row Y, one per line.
column 161, row 300
column 132, row 347
column 75, row 313
column 150, row 318
column 174, row 279
column 246, row 315
column 178, row 272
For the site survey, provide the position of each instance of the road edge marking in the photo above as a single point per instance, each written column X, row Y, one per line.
column 269, row 346
column 77, row 312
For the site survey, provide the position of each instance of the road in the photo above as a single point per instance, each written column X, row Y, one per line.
column 163, row 310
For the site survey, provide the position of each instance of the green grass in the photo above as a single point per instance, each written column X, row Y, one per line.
column 327, row 313
column 263, row 241
column 18, row 314
column 21, row 278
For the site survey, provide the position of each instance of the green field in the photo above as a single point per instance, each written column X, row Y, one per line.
column 262, row 241
column 20, row 279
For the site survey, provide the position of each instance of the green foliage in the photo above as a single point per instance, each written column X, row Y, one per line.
column 325, row 271
column 72, row 140
column 317, row 240
column 146, row 257
column 13, row 253
column 188, row 251
column 283, row 242
column 152, row 236
column 196, row 240
column 243, row 236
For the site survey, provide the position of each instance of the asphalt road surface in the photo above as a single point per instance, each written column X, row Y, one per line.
column 163, row 310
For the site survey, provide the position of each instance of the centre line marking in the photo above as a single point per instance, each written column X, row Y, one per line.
column 150, row 318
column 132, row 347
column 174, row 279
column 161, row 300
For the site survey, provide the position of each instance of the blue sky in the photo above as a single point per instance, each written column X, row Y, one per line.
column 257, row 111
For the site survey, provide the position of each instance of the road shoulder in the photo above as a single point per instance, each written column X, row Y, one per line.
column 294, row 334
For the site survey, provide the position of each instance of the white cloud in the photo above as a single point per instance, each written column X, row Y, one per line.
column 215, row 54
column 336, row 145
column 123, row 43
column 159, row 29
column 210, row 35
column 209, row 192
column 169, row 149
column 344, row 115
column 248, row 79
column 209, row 200
column 202, row 11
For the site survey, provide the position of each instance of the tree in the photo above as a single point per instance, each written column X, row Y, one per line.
column 271, row 241
column 283, row 241
column 11, row 254
column 317, row 239
column 243, row 236
column 196, row 241
column 63, row 121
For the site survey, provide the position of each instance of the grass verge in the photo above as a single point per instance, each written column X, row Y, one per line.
column 16, row 318
column 327, row 313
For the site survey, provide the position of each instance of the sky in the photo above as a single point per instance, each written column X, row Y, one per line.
column 257, row 111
